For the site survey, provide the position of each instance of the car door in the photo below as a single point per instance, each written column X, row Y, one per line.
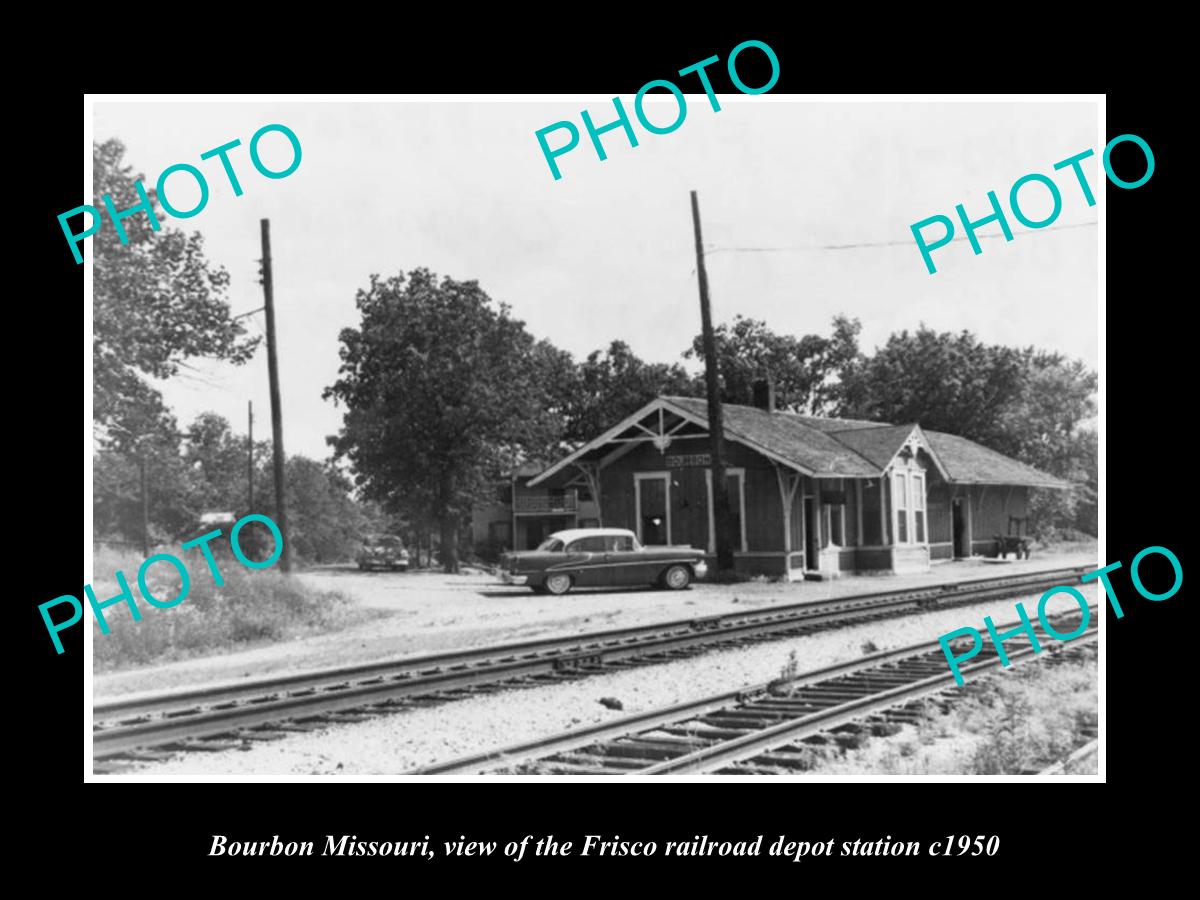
column 626, row 562
column 586, row 562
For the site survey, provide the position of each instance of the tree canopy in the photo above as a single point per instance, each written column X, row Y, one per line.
column 157, row 303
column 609, row 385
column 804, row 369
column 1034, row 406
column 443, row 392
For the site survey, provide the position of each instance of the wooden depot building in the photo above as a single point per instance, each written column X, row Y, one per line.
column 811, row 497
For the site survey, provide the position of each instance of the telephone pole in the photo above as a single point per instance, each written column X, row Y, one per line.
column 250, row 458
column 145, row 498
column 716, row 422
column 285, row 562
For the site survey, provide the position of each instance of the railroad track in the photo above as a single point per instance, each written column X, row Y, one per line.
column 146, row 727
column 767, row 729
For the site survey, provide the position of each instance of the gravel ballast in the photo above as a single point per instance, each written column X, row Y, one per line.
column 431, row 612
column 390, row 745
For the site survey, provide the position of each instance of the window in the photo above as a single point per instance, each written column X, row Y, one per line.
column 735, row 487
column 500, row 532
column 551, row 545
column 837, row 524
column 593, row 544
column 908, row 498
column 918, row 496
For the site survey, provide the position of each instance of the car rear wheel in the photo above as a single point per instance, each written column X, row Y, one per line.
column 558, row 583
column 677, row 577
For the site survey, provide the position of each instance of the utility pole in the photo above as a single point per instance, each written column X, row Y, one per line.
column 250, row 458
column 716, row 422
column 276, row 412
column 145, row 499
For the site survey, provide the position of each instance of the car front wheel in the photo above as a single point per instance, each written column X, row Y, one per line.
column 558, row 584
column 677, row 577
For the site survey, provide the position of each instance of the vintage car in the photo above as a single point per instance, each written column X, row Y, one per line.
column 382, row 551
column 600, row 557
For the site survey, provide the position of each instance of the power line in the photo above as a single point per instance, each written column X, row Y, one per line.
column 864, row 244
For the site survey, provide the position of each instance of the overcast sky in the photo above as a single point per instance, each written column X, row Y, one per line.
column 607, row 252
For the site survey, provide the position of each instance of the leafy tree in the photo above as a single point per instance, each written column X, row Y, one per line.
column 609, row 385
column 1047, row 427
column 947, row 382
column 217, row 459
column 804, row 369
column 117, row 491
column 1025, row 403
column 157, row 303
column 443, row 392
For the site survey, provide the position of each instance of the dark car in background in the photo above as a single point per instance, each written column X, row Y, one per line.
column 382, row 551
column 601, row 557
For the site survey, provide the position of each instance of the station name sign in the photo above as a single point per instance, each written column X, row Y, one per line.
column 683, row 460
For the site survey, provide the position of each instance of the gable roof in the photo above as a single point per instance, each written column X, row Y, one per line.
column 877, row 445
column 833, row 448
column 971, row 463
column 805, row 448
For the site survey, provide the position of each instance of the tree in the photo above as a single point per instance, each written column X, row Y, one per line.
column 1023, row 402
column 947, row 382
column 1047, row 427
column 610, row 385
column 157, row 303
column 325, row 522
column 804, row 369
column 217, row 462
column 117, row 490
column 443, row 393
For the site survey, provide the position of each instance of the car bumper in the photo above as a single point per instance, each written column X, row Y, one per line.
column 509, row 578
column 700, row 568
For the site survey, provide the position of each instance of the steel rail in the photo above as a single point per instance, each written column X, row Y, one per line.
column 158, row 702
column 738, row 748
column 130, row 724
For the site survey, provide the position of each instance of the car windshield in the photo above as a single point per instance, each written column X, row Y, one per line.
column 390, row 543
column 552, row 545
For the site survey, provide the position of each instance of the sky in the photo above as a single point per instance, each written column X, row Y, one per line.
column 607, row 252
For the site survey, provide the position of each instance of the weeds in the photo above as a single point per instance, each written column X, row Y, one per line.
column 252, row 607
column 791, row 668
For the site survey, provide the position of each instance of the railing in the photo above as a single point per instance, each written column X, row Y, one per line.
column 546, row 502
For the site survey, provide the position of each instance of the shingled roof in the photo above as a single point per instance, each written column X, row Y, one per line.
column 837, row 448
column 971, row 463
column 840, row 447
column 787, row 437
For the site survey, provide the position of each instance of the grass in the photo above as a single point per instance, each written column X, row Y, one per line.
column 253, row 607
column 1020, row 721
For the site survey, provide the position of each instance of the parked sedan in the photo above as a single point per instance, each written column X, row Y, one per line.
column 600, row 557
column 382, row 551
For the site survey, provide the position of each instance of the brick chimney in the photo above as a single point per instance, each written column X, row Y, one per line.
column 764, row 394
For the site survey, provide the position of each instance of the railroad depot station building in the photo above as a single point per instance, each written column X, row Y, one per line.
column 811, row 497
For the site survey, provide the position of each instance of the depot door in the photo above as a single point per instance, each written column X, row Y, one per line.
column 652, row 490
column 959, row 525
column 811, row 554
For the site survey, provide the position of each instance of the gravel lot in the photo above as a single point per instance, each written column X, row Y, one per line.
column 391, row 745
column 430, row 612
